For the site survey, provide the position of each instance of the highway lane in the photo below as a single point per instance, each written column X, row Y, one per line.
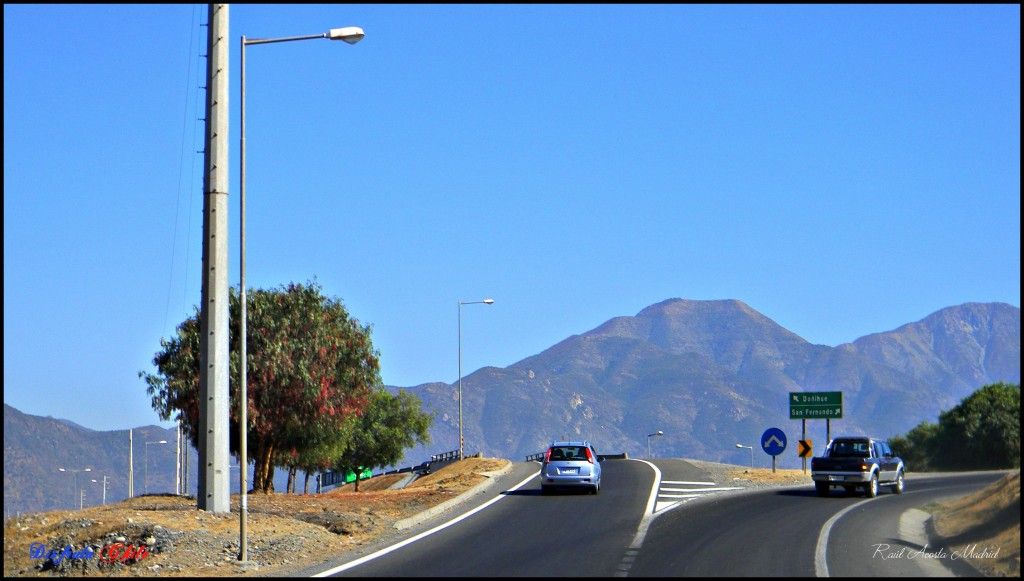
column 776, row 533
column 527, row 534
column 884, row 538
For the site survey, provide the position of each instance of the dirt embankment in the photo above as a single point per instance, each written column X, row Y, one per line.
column 285, row 532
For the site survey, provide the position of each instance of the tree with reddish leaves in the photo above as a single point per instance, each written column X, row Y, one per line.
column 311, row 370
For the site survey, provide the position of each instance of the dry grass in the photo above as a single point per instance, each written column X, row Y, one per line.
column 780, row 476
column 987, row 521
column 286, row 533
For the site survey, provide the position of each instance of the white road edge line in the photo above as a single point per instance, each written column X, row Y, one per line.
column 649, row 513
column 820, row 566
column 411, row 540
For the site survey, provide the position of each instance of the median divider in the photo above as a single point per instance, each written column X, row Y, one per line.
column 448, row 504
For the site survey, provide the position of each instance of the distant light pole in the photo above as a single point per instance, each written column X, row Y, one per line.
column 751, row 448
column 75, row 472
column 649, row 436
column 104, row 488
column 351, row 35
column 484, row 302
column 145, row 470
column 131, row 468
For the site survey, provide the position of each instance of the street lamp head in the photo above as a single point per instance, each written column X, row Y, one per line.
column 350, row 34
column 740, row 445
column 489, row 301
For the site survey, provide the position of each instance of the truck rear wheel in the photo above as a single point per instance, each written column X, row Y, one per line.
column 898, row 487
column 821, row 488
column 871, row 488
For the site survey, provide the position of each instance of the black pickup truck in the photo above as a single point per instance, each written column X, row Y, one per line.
column 857, row 462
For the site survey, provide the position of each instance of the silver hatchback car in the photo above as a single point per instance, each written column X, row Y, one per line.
column 570, row 465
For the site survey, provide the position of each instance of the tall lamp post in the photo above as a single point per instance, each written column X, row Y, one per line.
column 75, row 472
column 649, row 436
column 483, row 302
column 104, row 482
column 351, row 35
column 751, row 448
column 145, row 469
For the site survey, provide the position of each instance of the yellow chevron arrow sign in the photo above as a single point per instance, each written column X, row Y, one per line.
column 804, row 448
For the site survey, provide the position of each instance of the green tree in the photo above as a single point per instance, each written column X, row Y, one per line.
column 392, row 423
column 983, row 432
column 917, row 448
column 311, row 368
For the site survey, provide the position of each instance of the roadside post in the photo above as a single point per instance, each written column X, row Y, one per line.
column 773, row 442
column 815, row 405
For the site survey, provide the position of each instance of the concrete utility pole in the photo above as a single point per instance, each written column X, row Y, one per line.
column 131, row 467
column 214, row 493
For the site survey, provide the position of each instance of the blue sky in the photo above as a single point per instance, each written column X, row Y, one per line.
column 843, row 170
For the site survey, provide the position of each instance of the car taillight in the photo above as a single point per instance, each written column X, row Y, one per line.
column 547, row 456
column 590, row 457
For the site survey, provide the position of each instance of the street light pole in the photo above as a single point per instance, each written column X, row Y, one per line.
column 145, row 470
column 131, row 468
column 74, row 472
column 751, row 454
column 104, row 488
column 351, row 35
column 649, row 436
column 485, row 302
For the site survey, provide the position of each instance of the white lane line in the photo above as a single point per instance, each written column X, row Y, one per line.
column 411, row 540
column 704, row 490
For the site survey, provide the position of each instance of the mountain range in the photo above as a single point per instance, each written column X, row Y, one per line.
column 708, row 374
column 714, row 374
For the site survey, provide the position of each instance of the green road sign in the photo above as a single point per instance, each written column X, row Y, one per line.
column 815, row 405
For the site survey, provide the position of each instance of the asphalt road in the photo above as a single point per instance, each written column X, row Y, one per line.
column 667, row 518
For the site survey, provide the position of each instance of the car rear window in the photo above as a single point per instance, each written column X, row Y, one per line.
column 568, row 453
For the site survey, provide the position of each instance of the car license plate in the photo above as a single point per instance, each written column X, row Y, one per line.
column 569, row 471
column 837, row 478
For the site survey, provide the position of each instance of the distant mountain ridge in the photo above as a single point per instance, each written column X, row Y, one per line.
column 36, row 448
column 709, row 374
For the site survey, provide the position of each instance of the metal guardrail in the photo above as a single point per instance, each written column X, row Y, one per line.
column 535, row 457
column 445, row 456
column 332, row 477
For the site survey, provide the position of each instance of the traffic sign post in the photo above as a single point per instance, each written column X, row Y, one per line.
column 815, row 405
column 773, row 442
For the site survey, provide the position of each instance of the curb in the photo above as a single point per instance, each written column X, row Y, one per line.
column 448, row 504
